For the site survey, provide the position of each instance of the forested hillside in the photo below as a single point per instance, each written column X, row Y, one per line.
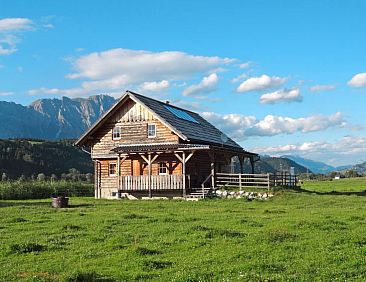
column 31, row 157
column 273, row 164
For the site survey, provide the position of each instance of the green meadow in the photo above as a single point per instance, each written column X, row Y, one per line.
column 317, row 233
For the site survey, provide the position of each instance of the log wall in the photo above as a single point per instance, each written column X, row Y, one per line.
column 133, row 119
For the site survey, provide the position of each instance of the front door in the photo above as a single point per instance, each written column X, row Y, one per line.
column 136, row 167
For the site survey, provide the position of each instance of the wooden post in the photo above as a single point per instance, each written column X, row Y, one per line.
column 98, row 186
column 184, row 173
column 241, row 161
column 240, row 181
column 96, row 179
column 212, row 157
column 150, row 170
column 118, row 172
column 252, row 164
column 268, row 181
column 184, row 161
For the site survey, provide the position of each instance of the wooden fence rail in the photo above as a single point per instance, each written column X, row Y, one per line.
column 283, row 179
column 255, row 180
column 243, row 180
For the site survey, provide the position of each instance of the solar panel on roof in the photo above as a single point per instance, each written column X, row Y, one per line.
column 181, row 114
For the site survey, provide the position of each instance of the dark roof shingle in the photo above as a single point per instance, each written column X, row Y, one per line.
column 202, row 131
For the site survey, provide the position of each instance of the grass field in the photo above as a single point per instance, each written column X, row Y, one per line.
column 295, row 236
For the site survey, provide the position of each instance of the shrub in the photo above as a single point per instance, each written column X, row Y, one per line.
column 22, row 190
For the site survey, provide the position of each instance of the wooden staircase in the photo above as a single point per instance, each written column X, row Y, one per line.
column 195, row 194
column 198, row 193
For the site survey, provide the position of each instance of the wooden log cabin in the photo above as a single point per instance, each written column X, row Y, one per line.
column 147, row 148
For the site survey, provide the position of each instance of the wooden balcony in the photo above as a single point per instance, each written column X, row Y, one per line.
column 154, row 182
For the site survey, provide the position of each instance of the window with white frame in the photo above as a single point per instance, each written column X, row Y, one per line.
column 163, row 169
column 151, row 130
column 112, row 169
column 116, row 134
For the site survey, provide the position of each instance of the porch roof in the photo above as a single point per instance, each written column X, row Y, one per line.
column 156, row 147
column 170, row 147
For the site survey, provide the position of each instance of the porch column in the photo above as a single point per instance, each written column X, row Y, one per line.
column 184, row 173
column 213, row 173
column 98, row 191
column 252, row 163
column 95, row 179
column 118, row 172
column 241, row 161
column 184, row 159
column 149, row 162
column 150, row 170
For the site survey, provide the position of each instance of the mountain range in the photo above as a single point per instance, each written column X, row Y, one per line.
column 52, row 119
column 316, row 166
column 65, row 118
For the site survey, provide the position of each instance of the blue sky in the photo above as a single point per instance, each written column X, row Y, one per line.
column 280, row 77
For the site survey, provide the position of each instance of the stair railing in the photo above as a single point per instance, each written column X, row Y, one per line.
column 203, row 184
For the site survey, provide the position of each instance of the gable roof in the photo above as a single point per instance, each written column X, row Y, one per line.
column 200, row 132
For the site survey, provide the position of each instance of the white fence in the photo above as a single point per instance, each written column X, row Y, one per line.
column 243, row 180
column 255, row 180
column 158, row 182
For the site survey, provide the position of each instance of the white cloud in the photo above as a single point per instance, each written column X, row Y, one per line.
column 8, row 44
column 154, row 86
column 239, row 77
column 194, row 106
column 283, row 95
column 3, row 94
column 359, row 80
column 49, row 26
column 137, row 66
column 70, row 92
column 208, row 84
column 235, row 125
column 15, row 24
column 9, row 29
column 262, row 82
column 274, row 125
column 322, row 87
column 245, row 65
column 241, row 127
column 347, row 150
column 119, row 69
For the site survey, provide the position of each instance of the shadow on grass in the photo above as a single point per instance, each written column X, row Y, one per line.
column 298, row 189
column 4, row 204
column 21, row 203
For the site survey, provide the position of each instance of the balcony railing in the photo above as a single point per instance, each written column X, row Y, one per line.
column 157, row 182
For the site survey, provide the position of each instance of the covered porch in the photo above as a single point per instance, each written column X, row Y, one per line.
column 174, row 169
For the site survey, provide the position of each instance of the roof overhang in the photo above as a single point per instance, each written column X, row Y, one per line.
column 174, row 147
column 158, row 148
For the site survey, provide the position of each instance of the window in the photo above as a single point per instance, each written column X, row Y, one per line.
column 112, row 169
column 163, row 169
column 151, row 130
column 116, row 135
column 181, row 114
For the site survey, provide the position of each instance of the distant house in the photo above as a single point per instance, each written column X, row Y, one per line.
column 148, row 148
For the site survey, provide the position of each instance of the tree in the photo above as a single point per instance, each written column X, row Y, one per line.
column 22, row 178
column 4, row 177
column 89, row 177
column 41, row 177
column 53, row 177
